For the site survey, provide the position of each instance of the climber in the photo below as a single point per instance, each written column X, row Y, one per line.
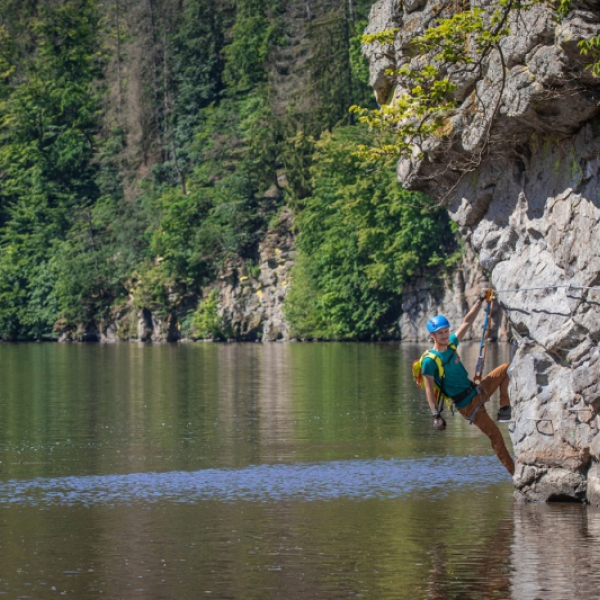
column 468, row 398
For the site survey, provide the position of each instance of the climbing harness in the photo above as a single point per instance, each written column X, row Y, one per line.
column 441, row 397
column 489, row 297
column 480, row 391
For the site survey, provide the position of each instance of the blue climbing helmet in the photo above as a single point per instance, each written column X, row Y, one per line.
column 437, row 322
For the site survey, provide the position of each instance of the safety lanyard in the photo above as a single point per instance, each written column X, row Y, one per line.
column 484, row 337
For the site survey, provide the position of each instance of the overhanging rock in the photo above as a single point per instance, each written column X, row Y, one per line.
column 519, row 170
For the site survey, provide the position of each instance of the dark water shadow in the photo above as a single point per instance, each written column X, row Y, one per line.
column 539, row 552
column 555, row 552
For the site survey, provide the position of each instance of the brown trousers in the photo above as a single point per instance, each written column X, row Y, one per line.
column 498, row 378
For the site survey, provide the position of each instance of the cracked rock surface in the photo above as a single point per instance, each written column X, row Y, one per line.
column 520, row 173
column 251, row 305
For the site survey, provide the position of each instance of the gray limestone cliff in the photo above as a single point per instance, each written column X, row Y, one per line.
column 251, row 305
column 519, row 169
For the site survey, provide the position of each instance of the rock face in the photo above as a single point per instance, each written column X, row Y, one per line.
column 251, row 305
column 452, row 296
column 519, row 169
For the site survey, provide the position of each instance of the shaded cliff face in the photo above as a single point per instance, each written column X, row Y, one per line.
column 520, row 172
column 451, row 295
column 251, row 306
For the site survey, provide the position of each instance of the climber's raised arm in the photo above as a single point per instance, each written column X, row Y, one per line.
column 470, row 316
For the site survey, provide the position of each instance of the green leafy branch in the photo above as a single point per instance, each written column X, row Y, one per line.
column 383, row 38
column 452, row 47
column 418, row 114
column 592, row 47
column 454, row 44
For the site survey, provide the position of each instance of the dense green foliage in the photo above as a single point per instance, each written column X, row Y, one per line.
column 361, row 238
column 50, row 64
column 144, row 145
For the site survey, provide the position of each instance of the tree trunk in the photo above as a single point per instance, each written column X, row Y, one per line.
column 119, row 82
column 155, row 91
column 167, row 114
column 348, row 18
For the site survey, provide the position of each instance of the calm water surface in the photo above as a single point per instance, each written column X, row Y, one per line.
column 279, row 471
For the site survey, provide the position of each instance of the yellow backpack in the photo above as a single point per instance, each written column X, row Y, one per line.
column 418, row 373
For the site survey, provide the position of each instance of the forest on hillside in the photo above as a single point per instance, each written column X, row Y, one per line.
column 147, row 144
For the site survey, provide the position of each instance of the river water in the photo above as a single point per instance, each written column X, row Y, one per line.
column 249, row 471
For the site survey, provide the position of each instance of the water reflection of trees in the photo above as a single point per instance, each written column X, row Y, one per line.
column 467, row 566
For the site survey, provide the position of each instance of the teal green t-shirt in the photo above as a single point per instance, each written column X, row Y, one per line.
column 456, row 379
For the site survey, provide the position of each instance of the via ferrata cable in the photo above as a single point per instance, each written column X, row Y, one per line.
column 518, row 337
column 548, row 287
column 490, row 296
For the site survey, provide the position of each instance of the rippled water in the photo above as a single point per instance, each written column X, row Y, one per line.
column 355, row 479
column 261, row 472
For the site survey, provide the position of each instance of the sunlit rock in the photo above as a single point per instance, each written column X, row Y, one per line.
column 519, row 170
column 251, row 303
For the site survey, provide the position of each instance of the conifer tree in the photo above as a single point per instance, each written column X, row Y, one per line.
column 49, row 119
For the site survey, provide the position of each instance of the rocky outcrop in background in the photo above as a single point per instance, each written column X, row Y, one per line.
column 520, row 172
column 251, row 305
column 249, row 298
column 250, row 301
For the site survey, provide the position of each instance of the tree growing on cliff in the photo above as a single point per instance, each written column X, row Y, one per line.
column 453, row 48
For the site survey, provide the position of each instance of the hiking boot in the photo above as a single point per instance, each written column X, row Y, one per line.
column 504, row 413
